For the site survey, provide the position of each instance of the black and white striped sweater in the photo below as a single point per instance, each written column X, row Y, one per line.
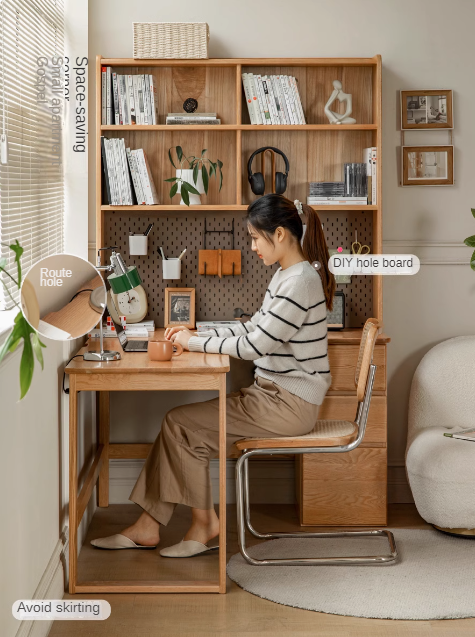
column 286, row 338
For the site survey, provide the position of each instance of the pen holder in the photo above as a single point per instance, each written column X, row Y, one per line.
column 171, row 268
column 138, row 244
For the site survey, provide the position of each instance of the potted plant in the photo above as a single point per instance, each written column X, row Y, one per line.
column 199, row 171
column 21, row 330
column 470, row 241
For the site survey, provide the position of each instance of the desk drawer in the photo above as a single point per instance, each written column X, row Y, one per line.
column 343, row 360
column 344, row 408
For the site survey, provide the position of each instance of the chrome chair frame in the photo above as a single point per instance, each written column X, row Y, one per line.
column 243, row 503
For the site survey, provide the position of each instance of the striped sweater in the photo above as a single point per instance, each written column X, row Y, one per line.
column 286, row 338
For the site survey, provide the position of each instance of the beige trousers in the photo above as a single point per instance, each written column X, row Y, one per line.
column 177, row 468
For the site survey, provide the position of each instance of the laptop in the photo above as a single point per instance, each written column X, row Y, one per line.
column 129, row 346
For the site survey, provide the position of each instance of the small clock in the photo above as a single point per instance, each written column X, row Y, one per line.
column 190, row 105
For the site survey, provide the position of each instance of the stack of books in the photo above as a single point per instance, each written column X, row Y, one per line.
column 175, row 119
column 127, row 176
column 128, row 99
column 273, row 99
column 357, row 189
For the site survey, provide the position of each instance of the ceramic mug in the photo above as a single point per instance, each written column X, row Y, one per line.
column 163, row 350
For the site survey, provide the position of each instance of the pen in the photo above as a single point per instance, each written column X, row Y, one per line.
column 163, row 255
column 147, row 231
column 182, row 253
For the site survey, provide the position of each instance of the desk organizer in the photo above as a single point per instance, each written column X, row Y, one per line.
column 216, row 297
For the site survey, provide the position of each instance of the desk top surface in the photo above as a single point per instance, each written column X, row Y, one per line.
column 188, row 362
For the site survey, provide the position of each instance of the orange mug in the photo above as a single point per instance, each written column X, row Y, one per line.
column 163, row 350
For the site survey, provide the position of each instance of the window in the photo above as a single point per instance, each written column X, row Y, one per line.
column 31, row 183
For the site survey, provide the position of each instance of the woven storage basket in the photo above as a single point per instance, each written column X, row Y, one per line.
column 174, row 40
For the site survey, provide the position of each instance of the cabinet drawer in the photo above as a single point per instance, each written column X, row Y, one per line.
column 343, row 359
column 344, row 408
column 344, row 489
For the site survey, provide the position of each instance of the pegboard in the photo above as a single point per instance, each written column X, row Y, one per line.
column 216, row 298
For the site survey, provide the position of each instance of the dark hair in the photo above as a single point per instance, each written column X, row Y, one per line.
column 269, row 212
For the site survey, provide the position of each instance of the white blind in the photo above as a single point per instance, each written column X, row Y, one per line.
column 31, row 186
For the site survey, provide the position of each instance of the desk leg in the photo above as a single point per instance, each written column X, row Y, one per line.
column 73, row 482
column 222, row 483
column 103, row 431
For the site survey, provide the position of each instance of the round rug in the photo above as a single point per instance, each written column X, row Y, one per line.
column 433, row 578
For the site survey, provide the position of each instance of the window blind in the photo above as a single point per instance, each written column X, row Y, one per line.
column 31, row 185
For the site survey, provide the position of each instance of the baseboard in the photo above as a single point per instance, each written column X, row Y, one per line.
column 271, row 481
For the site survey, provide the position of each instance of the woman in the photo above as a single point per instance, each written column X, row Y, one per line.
column 286, row 339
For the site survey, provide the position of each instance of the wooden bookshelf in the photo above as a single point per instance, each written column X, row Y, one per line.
column 316, row 152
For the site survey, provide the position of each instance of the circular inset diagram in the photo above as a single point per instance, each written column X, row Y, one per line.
column 63, row 297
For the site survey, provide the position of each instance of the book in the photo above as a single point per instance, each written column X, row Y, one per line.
column 146, row 178
column 247, row 94
column 207, row 115
column 463, row 434
column 115, row 95
column 298, row 101
column 264, row 105
column 148, row 109
column 153, row 99
column 280, row 112
column 290, row 99
column 141, row 102
column 109, row 104
column 123, row 99
column 205, row 326
column 273, row 103
column 106, row 175
column 337, row 202
column 374, row 175
column 131, row 100
column 191, row 122
column 135, row 178
column 259, row 94
column 135, row 85
column 367, row 162
column 255, row 99
column 268, row 99
column 283, row 103
column 103, row 95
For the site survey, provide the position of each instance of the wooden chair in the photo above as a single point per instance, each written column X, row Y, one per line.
column 328, row 436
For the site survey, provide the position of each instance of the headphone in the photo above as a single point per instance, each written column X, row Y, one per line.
column 257, row 180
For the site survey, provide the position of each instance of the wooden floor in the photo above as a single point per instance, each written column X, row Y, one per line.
column 237, row 612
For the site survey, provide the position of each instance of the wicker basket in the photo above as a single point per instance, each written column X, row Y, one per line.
column 174, row 40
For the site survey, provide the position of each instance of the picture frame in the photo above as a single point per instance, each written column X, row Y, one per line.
column 426, row 109
column 179, row 307
column 427, row 165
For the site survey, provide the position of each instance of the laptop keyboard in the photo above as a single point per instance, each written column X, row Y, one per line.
column 136, row 345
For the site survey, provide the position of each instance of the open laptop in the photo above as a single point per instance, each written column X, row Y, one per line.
column 129, row 346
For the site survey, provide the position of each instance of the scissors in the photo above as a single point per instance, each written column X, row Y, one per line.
column 357, row 248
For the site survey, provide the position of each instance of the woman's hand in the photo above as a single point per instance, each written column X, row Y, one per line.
column 178, row 334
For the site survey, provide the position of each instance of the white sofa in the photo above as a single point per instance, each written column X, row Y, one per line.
column 441, row 470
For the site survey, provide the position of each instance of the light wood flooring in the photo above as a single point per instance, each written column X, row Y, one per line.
column 237, row 612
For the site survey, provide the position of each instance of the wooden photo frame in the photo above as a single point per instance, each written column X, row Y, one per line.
column 180, row 307
column 427, row 165
column 426, row 110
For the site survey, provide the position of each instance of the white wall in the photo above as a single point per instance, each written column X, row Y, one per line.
column 423, row 45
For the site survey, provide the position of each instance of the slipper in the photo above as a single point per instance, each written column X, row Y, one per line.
column 187, row 548
column 118, row 541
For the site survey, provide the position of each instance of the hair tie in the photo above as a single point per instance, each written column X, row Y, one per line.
column 298, row 205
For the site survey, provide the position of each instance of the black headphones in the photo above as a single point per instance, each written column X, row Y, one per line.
column 257, row 181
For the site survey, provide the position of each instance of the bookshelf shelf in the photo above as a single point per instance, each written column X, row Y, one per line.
column 241, row 127
column 225, row 208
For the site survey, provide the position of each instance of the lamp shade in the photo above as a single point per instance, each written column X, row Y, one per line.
column 125, row 282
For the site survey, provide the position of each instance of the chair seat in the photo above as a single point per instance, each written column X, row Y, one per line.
column 326, row 433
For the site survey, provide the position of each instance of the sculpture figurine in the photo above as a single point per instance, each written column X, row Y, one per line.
column 336, row 118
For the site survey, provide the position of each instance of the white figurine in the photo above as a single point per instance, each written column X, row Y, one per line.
column 336, row 118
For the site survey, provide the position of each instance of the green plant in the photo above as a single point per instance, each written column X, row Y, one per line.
column 21, row 330
column 470, row 241
column 196, row 164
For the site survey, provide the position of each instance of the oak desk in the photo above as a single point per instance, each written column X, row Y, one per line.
column 135, row 372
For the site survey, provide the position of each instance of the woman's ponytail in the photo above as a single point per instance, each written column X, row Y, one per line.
column 315, row 248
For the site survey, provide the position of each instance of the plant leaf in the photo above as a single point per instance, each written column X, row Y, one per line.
column 470, row 241
column 195, row 172
column 184, row 193
column 203, row 151
column 204, row 174
column 37, row 345
column 173, row 190
column 27, row 365
column 212, row 168
column 220, row 165
column 3, row 263
column 11, row 342
column 171, row 179
column 18, row 250
column 473, row 211
column 191, row 188
column 179, row 153
column 170, row 158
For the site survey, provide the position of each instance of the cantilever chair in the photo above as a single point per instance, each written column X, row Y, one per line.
column 328, row 436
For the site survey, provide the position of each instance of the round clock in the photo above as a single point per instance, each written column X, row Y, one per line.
column 190, row 105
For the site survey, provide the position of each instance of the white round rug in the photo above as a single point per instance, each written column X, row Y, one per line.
column 433, row 578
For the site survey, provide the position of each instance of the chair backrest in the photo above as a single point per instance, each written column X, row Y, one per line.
column 371, row 329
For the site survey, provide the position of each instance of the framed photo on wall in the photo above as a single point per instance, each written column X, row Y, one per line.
column 180, row 307
column 427, row 165
column 426, row 109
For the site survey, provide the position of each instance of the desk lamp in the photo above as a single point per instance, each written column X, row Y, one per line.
column 97, row 302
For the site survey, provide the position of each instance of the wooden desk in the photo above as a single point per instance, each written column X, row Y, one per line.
column 135, row 372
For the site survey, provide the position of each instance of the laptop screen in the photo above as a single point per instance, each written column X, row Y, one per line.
column 120, row 333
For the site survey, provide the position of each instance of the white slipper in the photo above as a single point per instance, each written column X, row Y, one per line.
column 187, row 548
column 118, row 541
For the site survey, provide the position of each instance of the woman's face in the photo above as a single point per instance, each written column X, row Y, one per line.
column 265, row 250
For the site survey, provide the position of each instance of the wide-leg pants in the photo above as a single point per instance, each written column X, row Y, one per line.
column 177, row 468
